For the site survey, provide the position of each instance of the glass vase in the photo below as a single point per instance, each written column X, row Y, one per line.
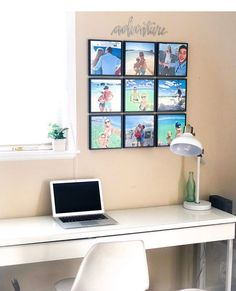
column 190, row 188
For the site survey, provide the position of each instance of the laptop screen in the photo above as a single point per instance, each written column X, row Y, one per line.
column 76, row 197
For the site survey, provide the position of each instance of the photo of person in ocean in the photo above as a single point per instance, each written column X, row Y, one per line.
column 139, row 95
column 168, row 127
column 105, row 132
column 139, row 58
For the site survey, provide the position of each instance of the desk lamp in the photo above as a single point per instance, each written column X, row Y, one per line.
column 188, row 146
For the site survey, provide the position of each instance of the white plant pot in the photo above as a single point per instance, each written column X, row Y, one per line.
column 59, row 145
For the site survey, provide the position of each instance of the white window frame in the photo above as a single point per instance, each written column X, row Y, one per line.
column 44, row 151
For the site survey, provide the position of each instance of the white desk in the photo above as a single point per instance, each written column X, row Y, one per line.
column 38, row 239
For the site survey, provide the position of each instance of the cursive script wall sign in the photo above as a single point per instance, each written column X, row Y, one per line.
column 144, row 29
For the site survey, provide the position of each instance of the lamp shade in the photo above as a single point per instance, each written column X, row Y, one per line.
column 186, row 145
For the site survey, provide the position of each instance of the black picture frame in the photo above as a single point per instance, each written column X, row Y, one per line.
column 139, row 95
column 110, row 55
column 172, row 95
column 139, row 130
column 105, row 132
column 105, row 95
column 139, row 58
column 172, row 59
column 169, row 126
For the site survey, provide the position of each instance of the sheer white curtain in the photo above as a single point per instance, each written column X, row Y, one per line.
column 32, row 73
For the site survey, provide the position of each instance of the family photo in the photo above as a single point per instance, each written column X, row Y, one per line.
column 169, row 126
column 105, row 95
column 139, row 131
column 139, row 95
column 105, row 132
column 105, row 57
column 172, row 59
column 139, row 58
column 172, row 94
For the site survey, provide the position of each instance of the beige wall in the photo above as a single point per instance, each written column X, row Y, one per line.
column 145, row 177
column 211, row 95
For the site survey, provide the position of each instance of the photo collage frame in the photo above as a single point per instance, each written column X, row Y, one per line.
column 137, row 93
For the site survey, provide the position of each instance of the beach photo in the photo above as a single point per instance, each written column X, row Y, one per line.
column 105, row 95
column 172, row 59
column 139, row 131
column 105, row 132
column 171, row 95
column 139, row 95
column 169, row 126
column 139, row 58
column 105, row 57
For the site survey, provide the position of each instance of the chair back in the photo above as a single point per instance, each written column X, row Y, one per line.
column 113, row 266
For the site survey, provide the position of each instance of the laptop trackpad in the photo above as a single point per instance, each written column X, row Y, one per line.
column 88, row 223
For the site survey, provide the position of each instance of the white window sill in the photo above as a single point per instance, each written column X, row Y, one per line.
column 37, row 155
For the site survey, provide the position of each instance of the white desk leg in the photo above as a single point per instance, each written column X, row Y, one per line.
column 229, row 263
column 202, row 266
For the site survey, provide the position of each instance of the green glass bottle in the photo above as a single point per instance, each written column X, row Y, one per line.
column 190, row 188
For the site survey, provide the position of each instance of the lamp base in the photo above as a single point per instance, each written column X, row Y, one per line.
column 202, row 205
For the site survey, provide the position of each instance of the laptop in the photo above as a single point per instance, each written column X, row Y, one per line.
column 78, row 203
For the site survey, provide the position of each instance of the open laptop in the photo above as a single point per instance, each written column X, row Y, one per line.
column 78, row 203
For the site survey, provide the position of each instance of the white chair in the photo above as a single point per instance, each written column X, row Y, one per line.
column 111, row 266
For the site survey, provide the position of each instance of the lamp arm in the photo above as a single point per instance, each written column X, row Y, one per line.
column 198, row 179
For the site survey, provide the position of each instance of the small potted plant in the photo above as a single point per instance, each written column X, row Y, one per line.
column 57, row 133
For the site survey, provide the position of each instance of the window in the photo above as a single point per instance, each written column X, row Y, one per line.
column 37, row 77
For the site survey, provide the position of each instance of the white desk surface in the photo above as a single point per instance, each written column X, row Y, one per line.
column 41, row 239
column 31, row 230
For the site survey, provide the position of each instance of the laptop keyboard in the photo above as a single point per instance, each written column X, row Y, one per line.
column 82, row 218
